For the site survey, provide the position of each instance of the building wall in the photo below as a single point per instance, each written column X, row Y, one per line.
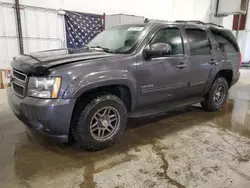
column 154, row 9
column 8, row 35
column 244, row 39
column 43, row 29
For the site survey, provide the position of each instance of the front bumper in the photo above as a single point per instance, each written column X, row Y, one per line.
column 49, row 117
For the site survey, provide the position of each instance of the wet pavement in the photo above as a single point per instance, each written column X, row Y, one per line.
column 184, row 148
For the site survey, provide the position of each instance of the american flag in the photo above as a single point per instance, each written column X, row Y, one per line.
column 81, row 28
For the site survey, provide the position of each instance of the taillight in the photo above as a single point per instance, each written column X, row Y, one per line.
column 240, row 63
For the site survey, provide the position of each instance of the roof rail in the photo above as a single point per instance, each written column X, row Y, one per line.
column 192, row 21
column 214, row 24
column 197, row 22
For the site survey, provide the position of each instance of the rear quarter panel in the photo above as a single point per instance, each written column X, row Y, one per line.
column 226, row 61
column 229, row 62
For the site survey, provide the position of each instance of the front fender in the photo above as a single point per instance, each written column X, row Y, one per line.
column 98, row 79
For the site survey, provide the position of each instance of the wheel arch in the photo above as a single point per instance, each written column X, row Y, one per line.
column 121, row 79
column 120, row 90
column 227, row 73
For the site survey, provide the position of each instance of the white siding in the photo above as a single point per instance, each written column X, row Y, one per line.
column 8, row 35
column 44, row 29
column 246, row 57
column 244, row 40
column 154, row 9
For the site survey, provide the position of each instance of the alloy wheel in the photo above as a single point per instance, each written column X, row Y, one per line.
column 219, row 94
column 104, row 123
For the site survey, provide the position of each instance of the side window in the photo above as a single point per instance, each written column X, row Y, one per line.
column 198, row 42
column 171, row 36
column 225, row 41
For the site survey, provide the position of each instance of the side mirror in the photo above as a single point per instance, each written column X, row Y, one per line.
column 157, row 50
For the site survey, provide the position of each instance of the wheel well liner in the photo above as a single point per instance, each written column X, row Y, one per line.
column 227, row 74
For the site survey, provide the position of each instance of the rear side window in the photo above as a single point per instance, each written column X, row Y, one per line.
column 198, row 42
column 171, row 36
column 225, row 41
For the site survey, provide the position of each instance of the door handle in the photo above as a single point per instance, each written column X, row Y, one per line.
column 212, row 62
column 181, row 65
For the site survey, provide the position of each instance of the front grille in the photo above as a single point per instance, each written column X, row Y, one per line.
column 19, row 75
column 19, row 90
column 19, row 83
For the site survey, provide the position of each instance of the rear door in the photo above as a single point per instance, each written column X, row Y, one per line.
column 201, row 59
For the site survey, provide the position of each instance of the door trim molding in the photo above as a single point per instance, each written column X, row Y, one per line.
column 148, row 91
column 197, row 83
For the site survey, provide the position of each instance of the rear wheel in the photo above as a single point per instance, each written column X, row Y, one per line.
column 101, row 123
column 217, row 95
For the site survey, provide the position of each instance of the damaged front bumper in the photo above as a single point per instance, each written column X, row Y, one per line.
column 50, row 118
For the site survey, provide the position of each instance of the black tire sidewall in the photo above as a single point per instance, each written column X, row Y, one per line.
column 211, row 104
column 82, row 129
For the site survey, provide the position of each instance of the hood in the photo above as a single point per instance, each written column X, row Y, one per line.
column 39, row 63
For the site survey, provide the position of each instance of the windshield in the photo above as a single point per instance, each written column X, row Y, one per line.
column 120, row 39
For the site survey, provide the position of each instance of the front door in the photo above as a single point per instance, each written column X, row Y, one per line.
column 162, row 78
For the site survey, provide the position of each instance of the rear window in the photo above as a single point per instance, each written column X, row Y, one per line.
column 198, row 42
column 225, row 40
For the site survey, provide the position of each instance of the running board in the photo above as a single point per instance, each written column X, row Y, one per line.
column 166, row 107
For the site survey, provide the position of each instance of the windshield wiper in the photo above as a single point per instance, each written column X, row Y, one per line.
column 104, row 49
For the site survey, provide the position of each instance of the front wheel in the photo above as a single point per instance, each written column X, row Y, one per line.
column 217, row 95
column 101, row 123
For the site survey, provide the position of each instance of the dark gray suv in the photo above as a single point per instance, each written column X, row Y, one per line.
column 126, row 71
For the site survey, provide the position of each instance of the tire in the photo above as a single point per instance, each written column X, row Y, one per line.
column 210, row 103
column 92, row 114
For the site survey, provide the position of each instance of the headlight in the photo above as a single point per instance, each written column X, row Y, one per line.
column 44, row 87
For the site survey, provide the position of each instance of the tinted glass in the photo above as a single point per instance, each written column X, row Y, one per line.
column 225, row 41
column 171, row 36
column 198, row 42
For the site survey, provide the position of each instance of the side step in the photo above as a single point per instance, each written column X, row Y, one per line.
column 166, row 107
